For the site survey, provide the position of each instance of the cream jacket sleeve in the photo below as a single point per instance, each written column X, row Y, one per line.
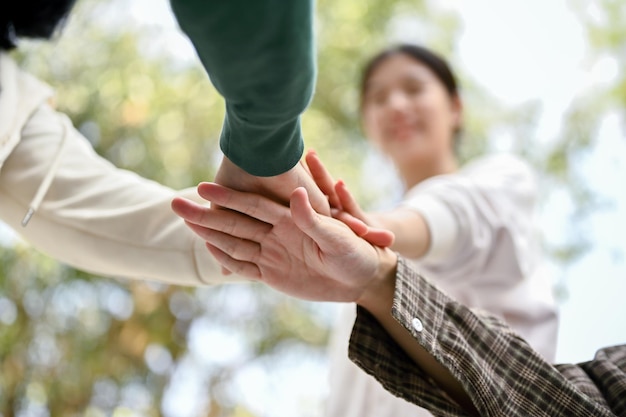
column 95, row 216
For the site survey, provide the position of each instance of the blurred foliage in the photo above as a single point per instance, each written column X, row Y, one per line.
column 72, row 344
column 145, row 115
column 605, row 23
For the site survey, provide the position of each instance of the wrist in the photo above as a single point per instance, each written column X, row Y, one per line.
column 378, row 295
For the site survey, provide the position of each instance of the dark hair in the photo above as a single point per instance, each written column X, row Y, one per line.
column 434, row 62
column 438, row 65
column 31, row 19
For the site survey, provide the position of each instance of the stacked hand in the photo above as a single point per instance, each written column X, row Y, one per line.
column 308, row 255
column 343, row 205
column 294, row 250
column 278, row 187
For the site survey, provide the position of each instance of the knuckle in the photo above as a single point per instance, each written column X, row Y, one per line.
column 253, row 206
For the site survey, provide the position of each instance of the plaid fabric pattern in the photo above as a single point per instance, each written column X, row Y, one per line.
column 500, row 372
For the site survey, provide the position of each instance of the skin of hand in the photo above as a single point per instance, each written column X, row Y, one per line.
column 288, row 249
column 343, row 205
column 306, row 255
column 410, row 231
column 278, row 188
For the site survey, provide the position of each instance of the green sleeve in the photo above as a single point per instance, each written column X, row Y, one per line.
column 260, row 56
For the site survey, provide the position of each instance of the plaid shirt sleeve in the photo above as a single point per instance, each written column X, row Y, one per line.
column 500, row 372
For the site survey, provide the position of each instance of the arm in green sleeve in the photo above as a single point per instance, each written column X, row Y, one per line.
column 260, row 56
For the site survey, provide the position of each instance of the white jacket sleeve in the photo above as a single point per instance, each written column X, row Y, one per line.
column 95, row 216
column 472, row 215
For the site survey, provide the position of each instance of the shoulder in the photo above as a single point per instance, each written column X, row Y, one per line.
column 15, row 80
column 489, row 181
column 498, row 165
column 504, row 172
column 494, row 171
column 21, row 94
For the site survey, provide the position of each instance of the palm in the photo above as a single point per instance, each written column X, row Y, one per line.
column 295, row 251
column 290, row 260
column 278, row 188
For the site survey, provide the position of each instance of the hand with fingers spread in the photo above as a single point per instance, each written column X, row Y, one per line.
column 343, row 205
column 294, row 250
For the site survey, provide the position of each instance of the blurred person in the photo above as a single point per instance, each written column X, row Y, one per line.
column 417, row 341
column 470, row 229
column 66, row 200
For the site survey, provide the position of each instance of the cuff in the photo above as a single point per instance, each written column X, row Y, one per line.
column 374, row 351
column 262, row 151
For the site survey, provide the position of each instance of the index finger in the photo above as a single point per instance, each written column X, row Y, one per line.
column 322, row 178
column 252, row 205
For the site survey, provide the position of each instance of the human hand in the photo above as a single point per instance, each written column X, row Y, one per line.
column 278, row 188
column 294, row 250
column 344, row 206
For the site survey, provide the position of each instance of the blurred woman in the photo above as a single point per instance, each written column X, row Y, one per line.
column 468, row 228
column 66, row 200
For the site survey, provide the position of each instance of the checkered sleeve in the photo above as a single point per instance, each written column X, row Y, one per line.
column 500, row 372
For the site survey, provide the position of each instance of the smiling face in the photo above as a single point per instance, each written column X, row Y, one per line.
column 408, row 112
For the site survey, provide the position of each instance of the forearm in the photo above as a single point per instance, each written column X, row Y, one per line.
column 260, row 56
column 107, row 243
column 497, row 370
column 412, row 236
column 95, row 216
column 379, row 302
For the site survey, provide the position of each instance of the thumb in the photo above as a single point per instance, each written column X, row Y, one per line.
column 301, row 211
column 316, row 226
